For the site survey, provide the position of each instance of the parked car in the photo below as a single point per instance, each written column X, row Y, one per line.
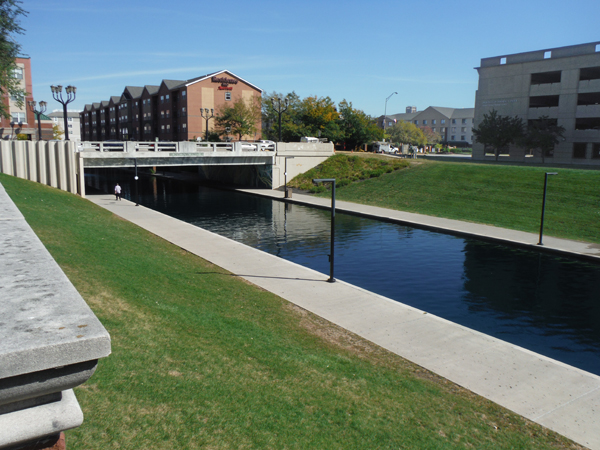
column 313, row 140
column 266, row 145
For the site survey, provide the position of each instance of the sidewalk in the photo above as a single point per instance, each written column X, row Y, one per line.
column 557, row 396
column 551, row 244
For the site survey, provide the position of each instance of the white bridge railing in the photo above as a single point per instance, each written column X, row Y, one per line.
column 182, row 147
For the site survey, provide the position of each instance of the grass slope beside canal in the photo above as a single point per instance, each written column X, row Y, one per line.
column 202, row 359
column 500, row 195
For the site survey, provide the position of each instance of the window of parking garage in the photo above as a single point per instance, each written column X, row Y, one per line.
column 589, row 73
column 546, row 77
column 579, row 149
column 596, row 151
column 587, row 123
column 589, row 98
column 543, row 101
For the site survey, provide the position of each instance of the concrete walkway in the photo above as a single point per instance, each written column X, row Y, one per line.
column 557, row 396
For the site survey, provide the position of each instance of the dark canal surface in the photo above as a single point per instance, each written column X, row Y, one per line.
column 547, row 304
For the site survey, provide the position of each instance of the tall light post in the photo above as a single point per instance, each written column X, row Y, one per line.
column 57, row 94
column 385, row 111
column 280, row 105
column 316, row 181
column 286, row 193
column 38, row 113
column 544, row 205
column 205, row 114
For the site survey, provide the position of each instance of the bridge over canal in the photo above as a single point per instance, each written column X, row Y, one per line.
column 63, row 164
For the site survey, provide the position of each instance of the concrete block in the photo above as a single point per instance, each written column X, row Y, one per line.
column 20, row 427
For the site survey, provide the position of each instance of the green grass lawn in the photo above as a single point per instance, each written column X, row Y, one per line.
column 202, row 359
column 500, row 195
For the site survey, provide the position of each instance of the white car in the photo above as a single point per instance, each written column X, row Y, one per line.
column 266, row 145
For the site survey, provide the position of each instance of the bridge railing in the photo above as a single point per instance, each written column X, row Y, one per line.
column 184, row 146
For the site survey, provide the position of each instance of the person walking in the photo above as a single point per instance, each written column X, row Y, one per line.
column 117, row 192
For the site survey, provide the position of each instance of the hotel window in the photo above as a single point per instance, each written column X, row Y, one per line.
column 462, row 138
column 433, row 129
column 166, row 97
column 453, row 121
column 433, row 122
column 183, row 111
column 19, row 117
column 228, row 96
column 162, row 127
column 464, row 121
column 18, row 73
column 416, row 122
column 596, row 151
column 463, row 129
column 184, row 125
column 443, row 121
column 183, row 93
column 162, row 114
column 168, row 127
column 425, row 122
column 452, row 138
column 162, row 98
column 454, row 129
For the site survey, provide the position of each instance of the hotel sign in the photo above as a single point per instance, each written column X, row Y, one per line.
column 225, row 82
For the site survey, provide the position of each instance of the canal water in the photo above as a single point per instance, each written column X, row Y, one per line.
column 547, row 304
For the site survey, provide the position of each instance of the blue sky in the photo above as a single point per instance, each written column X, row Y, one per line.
column 355, row 50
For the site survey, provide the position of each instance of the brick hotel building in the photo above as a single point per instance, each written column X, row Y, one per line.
column 168, row 112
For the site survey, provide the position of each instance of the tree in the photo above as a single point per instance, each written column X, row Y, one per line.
column 241, row 118
column 9, row 50
column 57, row 132
column 319, row 117
column 431, row 137
column 543, row 134
column 406, row 133
column 291, row 125
column 498, row 131
column 357, row 127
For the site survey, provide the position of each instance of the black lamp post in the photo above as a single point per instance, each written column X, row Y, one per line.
column 57, row 94
column 544, row 205
column 280, row 105
column 385, row 111
column 204, row 114
column 38, row 113
column 316, row 181
column 12, row 126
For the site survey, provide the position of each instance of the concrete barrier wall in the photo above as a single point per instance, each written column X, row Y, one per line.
column 47, row 162
column 301, row 157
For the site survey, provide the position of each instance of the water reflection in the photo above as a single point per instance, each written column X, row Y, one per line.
column 546, row 304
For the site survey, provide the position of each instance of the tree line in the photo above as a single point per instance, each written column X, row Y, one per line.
column 498, row 132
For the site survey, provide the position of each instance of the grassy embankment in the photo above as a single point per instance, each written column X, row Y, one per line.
column 204, row 360
column 500, row 195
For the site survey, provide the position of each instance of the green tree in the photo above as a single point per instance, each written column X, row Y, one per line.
column 291, row 125
column 241, row 118
column 357, row 127
column 319, row 118
column 543, row 134
column 406, row 133
column 498, row 132
column 9, row 50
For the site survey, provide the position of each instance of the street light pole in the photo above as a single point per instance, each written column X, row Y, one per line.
column 544, row 205
column 316, row 181
column 385, row 111
column 282, row 106
column 207, row 117
column 57, row 94
column 38, row 113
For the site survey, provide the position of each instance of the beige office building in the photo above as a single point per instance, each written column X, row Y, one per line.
column 561, row 83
